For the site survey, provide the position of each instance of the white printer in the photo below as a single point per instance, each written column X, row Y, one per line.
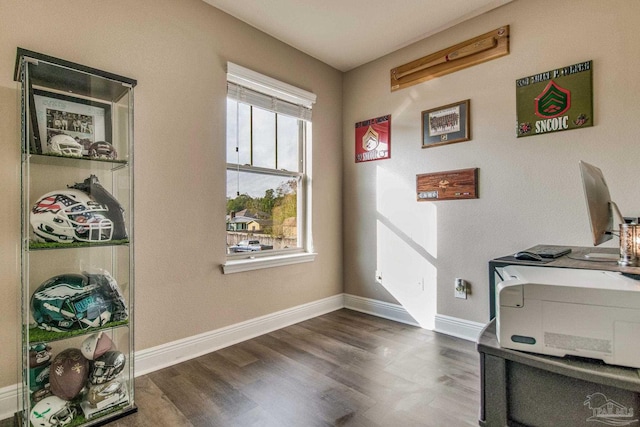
column 562, row 311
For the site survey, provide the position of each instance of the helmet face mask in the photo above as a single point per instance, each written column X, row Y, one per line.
column 64, row 416
column 70, row 215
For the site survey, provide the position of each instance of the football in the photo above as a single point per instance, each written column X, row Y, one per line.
column 96, row 345
column 68, row 373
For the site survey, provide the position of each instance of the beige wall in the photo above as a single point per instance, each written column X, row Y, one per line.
column 530, row 189
column 177, row 50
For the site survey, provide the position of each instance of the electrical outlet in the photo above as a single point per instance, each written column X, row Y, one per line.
column 460, row 288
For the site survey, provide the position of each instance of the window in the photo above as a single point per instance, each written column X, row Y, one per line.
column 268, row 139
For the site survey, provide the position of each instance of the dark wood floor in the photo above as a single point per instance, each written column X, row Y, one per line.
column 341, row 369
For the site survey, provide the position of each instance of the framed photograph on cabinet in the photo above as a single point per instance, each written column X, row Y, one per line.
column 446, row 124
column 84, row 120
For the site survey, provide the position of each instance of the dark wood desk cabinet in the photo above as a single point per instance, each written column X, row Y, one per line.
column 526, row 389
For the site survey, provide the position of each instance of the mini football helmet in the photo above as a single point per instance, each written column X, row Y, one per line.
column 106, row 394
column 39, row 354
column 106, row 367
column 65, row 145
column 38, row 378
column 102, row 150
column 70, row 215
column 52, row 412
column 77, row 301
column 40, row 394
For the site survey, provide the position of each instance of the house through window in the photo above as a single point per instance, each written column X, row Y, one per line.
column 268, row 137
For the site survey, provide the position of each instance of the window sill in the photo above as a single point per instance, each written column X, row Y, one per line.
column 257, row 263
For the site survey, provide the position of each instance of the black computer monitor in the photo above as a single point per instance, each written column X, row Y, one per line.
column 604, row 215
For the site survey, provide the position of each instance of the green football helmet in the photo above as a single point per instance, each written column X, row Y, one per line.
column 77, row 301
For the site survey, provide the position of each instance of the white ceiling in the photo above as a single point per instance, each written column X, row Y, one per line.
column 349, row 33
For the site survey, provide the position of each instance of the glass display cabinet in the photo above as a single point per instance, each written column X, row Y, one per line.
column 77, row 352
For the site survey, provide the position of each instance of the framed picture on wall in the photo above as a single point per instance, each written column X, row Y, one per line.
column 555, row 100
column 373, row 139
column 446, row 124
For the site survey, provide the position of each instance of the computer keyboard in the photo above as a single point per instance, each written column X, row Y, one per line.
column 552, row 251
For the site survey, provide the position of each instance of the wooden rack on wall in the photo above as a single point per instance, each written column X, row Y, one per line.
column 491, row 45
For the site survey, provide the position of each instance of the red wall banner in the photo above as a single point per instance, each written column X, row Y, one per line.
column 373, row 139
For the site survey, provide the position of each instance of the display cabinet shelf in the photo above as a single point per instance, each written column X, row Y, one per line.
column 38, row 246
column 57, row 159
column 37, row 335
column 77, row 253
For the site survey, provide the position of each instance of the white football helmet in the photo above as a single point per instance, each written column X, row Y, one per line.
column 65, row 145
column 52, row 412
column 70, row 215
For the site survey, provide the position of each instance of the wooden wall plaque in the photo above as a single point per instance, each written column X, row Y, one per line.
column 450, row 185
column 485, row 47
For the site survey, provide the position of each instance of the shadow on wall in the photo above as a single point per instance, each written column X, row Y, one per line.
column 406, row 247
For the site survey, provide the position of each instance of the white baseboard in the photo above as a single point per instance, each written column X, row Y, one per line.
column 162, row 356
column 165, row 355
column 378, row 308
column 461, row 328
column 8, row 401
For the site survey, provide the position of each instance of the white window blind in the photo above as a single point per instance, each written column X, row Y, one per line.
column 250, row 87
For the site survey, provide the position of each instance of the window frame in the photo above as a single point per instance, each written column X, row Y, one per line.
column 293, row 96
